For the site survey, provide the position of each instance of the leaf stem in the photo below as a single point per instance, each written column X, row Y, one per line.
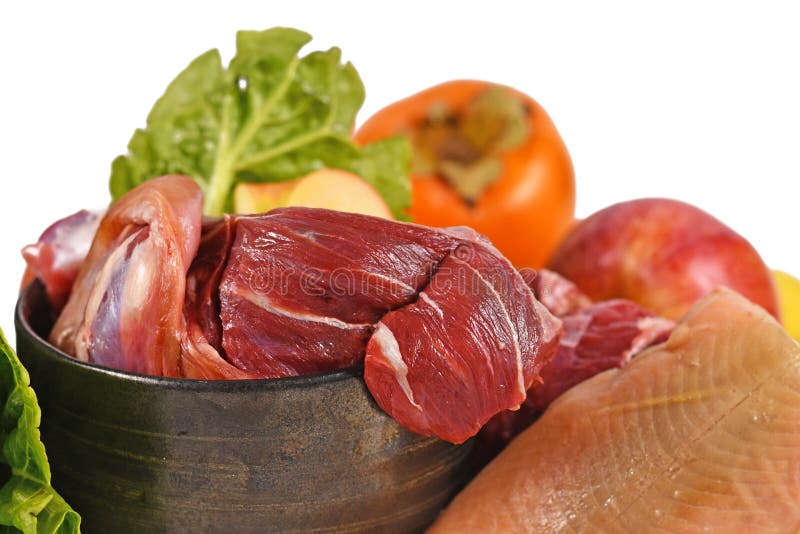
column 275, row 151
column 223, row 176
column 293, row 144
column 221, row 179
column 256, row 121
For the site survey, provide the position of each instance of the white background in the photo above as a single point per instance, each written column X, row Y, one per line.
column 696, row 102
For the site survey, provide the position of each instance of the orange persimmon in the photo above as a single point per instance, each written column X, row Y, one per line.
column 486, row 156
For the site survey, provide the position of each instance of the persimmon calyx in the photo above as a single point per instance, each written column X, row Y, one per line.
column 463, row 146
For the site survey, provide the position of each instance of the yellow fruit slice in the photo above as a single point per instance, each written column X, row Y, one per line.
column 260, row 198
column 334, row 189
column 325, row 188
column 789, row 296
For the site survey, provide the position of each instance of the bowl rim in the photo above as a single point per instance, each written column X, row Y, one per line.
column 23, row 326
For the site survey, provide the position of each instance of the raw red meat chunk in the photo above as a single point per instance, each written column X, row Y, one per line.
column 470, row 346
column 201, row 339
column 125, row 308
column 303, row 288
column 448, row 332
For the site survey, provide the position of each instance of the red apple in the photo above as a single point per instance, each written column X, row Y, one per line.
column 663, row 254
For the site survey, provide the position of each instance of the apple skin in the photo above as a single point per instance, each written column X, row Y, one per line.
column 663, row 254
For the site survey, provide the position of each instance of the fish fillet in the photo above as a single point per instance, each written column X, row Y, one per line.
column 698, row 434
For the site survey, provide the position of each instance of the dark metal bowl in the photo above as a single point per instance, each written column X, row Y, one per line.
column 135, row 453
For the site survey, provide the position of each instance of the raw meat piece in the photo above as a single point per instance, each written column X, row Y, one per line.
column 595, row 338
column 455, row 335
column 125, row 307
column 300, row 291
column 59, row 253
column 699, row 434
column 558, row 294
column 469, row 347
column 304, row 287
column 201, row 340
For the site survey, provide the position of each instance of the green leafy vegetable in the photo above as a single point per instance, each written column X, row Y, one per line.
column 270, row 116
column 28, row 503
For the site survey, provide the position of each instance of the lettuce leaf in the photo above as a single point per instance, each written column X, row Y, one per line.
column 28, row 503
column 270, row 116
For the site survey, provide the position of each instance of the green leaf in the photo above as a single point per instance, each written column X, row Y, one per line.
column 28, row 503
column 389, row 161
column 270, row 116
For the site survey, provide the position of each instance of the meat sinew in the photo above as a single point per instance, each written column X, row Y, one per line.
column 125, row 307
column 698, row 434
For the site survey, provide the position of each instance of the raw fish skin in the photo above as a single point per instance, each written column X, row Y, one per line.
column 125, row 309
column 698, row 434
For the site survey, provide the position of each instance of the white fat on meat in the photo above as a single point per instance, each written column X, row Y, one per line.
column 429, row 301
column 266, row 304
column 389, row 347
column 521, row 389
